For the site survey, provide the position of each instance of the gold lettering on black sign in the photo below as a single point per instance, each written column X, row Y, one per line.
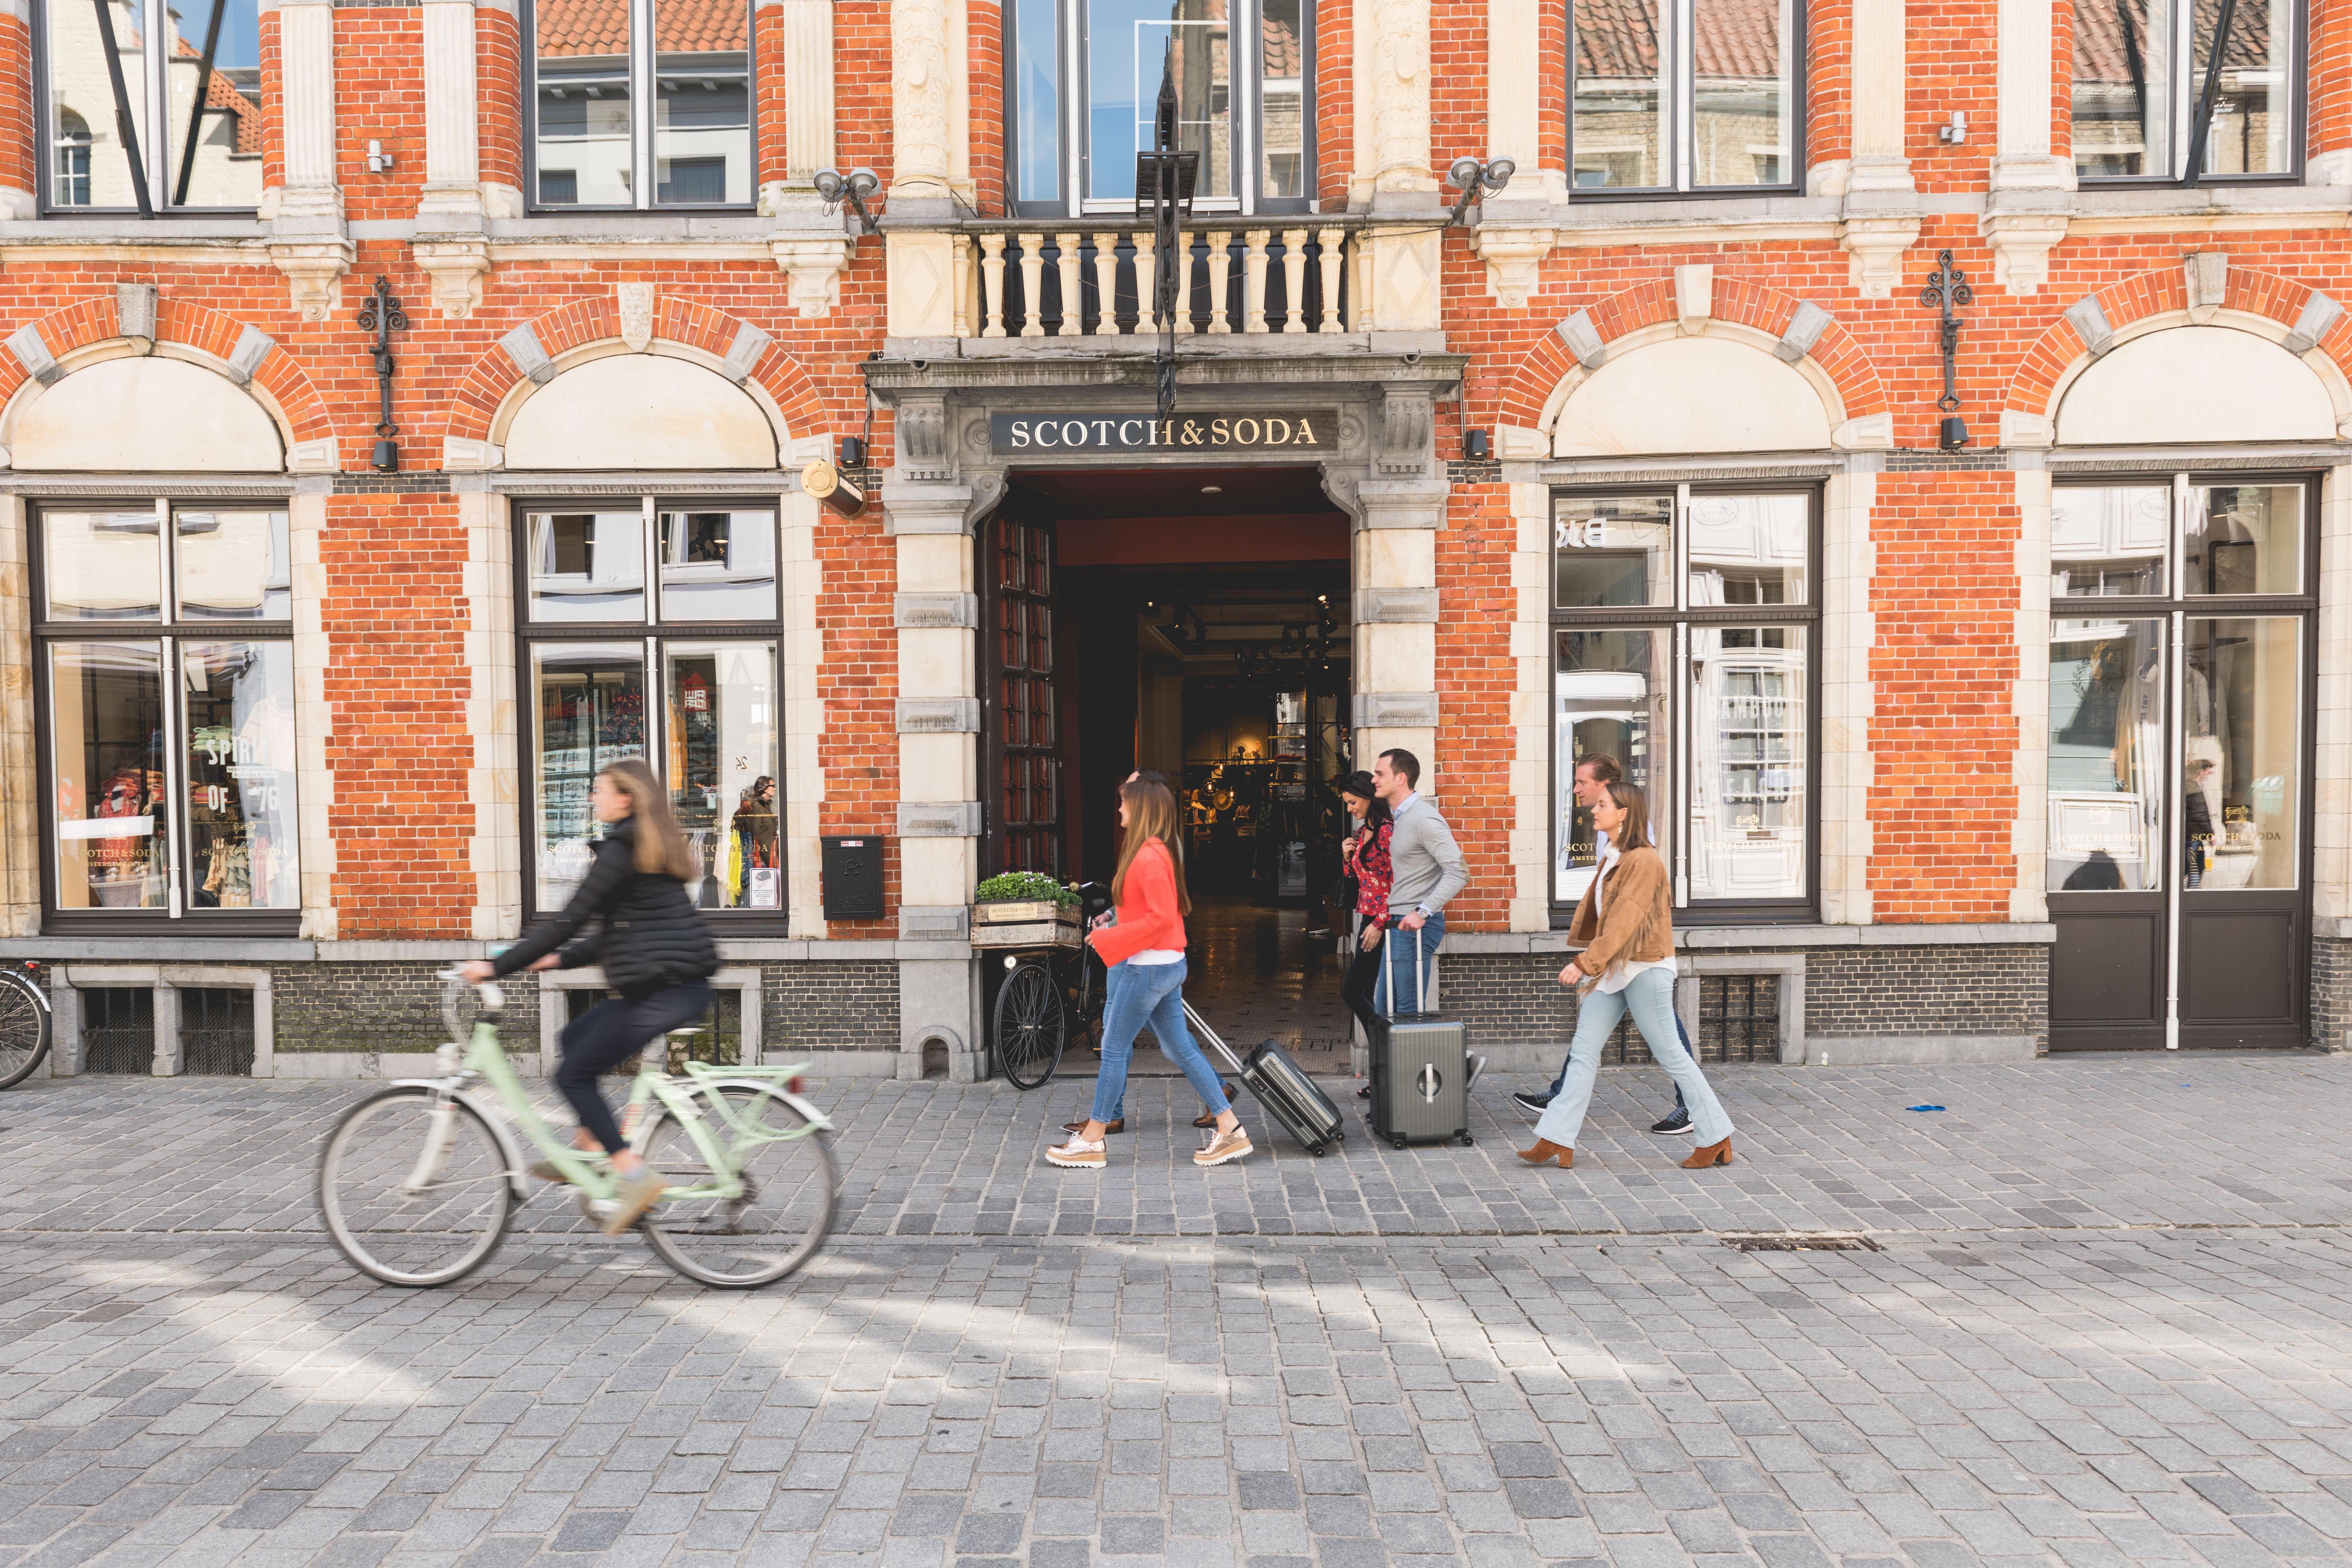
column 1020, row 435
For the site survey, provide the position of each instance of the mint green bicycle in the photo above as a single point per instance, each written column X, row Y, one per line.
column 419, row 1180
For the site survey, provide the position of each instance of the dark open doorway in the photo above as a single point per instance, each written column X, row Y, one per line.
column 1197, row 622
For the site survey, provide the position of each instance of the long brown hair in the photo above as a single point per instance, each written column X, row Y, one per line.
column 1633, row 832
column 661, row 847
column 1150, row 814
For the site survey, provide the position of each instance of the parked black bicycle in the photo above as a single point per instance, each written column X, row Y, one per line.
column 24, row 1025
column 1052, row 991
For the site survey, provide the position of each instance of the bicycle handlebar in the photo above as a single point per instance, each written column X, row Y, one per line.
column 494, row 1000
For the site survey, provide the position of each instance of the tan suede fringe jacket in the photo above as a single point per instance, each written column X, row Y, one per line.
column 1639, row 925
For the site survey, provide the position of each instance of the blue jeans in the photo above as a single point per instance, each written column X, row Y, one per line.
column 1651, row 997
column 1401, row 974
column 1149, row 993
column 1681, row 1033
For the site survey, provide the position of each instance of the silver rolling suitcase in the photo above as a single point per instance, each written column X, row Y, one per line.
column 1421, row 1071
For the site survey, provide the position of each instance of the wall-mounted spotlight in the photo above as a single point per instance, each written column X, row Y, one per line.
column 853, row 452
column 833, row 188
column 824, row 481
column 1470, row 176
column 379, row 161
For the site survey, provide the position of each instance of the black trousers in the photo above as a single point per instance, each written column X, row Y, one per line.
column 611, row 1030
column 1356, row 987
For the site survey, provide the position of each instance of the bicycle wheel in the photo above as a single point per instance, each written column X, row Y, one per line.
column 24, row 1027
column 414, row 1187
column 785, row 1208
column 1030, row 1026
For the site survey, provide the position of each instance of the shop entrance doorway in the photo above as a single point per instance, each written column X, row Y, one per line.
column 1193, row 621
column 2181, row 652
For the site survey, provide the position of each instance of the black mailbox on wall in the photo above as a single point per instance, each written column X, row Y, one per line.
column 853, row 878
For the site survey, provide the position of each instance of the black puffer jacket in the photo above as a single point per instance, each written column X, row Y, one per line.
column 650, row 935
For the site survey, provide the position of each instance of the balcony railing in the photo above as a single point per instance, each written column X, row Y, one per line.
column 1037, row 280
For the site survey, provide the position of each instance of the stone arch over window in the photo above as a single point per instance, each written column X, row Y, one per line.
column 1780, row 375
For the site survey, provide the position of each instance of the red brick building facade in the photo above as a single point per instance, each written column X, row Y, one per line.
column 1641, row 453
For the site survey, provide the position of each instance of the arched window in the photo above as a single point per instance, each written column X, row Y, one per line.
column 70, row 176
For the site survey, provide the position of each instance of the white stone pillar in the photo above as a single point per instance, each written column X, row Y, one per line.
column 492, row 720
column 1397, row 95
column 452, row 242
column 1531, row 702
column 2332, row 753
column 2029, row 899
column 308, row 239
column 921, row 100
column 314, row 720
column 20, row 824
column 1881, row 220
column 2025, row 213
column 1849, row 631
column 802, row 781
column 807, row 28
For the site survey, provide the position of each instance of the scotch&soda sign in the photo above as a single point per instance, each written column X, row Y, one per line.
column 1313, row 430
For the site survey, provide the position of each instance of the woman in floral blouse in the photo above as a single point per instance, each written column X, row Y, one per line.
column 1367, row 859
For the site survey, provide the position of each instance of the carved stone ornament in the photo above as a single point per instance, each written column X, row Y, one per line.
column 1874, row 247
column 1400, row 94
column 1406, row 421
column 2022, row 244
column 314, row 274
column 918, row 46
column 815, row 266
column 1514, row 258
column 635, row 303
column 923, row 444
column 456, row 267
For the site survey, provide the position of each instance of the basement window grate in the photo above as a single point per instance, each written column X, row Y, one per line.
column 1739, row 1018
column 1800, row 1241
column 216, row 1031
column 117, row 1030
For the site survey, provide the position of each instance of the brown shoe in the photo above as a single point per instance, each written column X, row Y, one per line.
column 1546, row 1150
column 1713, row 1154
column 1108, row 1127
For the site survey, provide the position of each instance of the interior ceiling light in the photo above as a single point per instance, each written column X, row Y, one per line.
column 1212, row 489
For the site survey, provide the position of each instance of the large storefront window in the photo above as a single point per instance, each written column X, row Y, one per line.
column 1683, row 95
column 1083, row 77
column 1683, row 638
column 641, row 104
column 2180, row 681
column 2149, row 104
column 201, row 84
column 167, row 699
column 679, row 669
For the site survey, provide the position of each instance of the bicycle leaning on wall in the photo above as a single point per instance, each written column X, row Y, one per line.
column 24, row 1025
column 418, row 1182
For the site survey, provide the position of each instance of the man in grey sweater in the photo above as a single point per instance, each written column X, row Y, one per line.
column 1428, row 873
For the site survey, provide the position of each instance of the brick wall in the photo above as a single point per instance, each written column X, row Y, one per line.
column 830, row 1006
column 2331, row 995
column 391, row 1007
column 497, row 80
column 373, row 104
column 20, row 138
column 1988, row 990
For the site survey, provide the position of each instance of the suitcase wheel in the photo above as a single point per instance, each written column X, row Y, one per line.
column 1398, row 1142
column 1467, row 1140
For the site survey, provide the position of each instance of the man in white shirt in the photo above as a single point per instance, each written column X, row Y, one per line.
column 1591, row 774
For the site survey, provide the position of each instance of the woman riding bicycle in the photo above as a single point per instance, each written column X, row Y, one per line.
column 655, row 951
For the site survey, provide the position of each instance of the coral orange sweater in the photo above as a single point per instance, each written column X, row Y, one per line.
column 1148, row 915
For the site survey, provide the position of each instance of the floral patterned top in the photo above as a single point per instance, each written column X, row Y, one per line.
column 1373, row 871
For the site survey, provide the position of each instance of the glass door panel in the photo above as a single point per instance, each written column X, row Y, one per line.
column 2108, row 689
column 1609, row 698
column 720, row 740
column 113, row 802
column 239, row 766
column 1749, row 803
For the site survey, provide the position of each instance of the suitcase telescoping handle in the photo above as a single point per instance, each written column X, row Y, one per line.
column 1216, row 1041
column 1421, row 972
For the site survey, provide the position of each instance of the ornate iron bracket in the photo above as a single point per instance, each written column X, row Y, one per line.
column 1946, row 288
column 382, row 316
column 1164, row 178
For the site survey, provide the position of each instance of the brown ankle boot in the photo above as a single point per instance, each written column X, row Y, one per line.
column 1544, row 1152
column 1713, row 1154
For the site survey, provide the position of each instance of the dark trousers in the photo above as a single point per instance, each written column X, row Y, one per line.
column 1680, row 1031
column 1357, row 986
column 611, row 1030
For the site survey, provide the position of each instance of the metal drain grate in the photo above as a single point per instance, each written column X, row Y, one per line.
column 1801, row 1241
column 117, row 1030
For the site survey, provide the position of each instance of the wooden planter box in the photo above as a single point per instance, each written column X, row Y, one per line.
column 1025, row 923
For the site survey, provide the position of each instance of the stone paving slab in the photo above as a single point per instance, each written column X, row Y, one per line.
column 2184, row 1140
column 1243, row 1402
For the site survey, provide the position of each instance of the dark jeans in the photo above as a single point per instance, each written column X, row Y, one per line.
column 1356, row 986
column 611, row 1030
column 1681, row 1033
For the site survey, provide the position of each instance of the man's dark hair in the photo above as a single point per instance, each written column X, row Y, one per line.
column 1405, row 763
column 1604, row 767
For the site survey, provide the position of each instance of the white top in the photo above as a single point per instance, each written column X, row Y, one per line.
column 1155, row 955
column 1622, row 975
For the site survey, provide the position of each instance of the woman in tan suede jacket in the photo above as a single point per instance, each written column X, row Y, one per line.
column 1626, row 927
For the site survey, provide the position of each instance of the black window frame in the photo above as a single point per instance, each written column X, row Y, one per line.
column 46, row 634
column 735, row 923
column 643, row 94
column 156, row 159
column 1799, row 63
column 1804, row 910
column 1072, row 119
column 2189, row 83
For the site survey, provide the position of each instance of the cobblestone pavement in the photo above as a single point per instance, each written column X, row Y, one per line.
column 189, row 1375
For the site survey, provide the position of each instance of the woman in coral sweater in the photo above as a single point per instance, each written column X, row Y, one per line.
column 1144, row 950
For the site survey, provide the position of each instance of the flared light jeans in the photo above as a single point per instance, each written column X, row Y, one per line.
column 1151, row 993
column 1651, row 997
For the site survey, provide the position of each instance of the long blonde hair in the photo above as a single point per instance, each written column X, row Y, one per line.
column 1150, row 814
column 661, row 847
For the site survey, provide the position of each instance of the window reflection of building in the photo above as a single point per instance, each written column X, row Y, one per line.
column 587, row 59
column 2140, row 68
column 1730, row 97
column 218, row 100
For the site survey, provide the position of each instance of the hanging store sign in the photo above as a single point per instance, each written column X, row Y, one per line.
column 1313, row 430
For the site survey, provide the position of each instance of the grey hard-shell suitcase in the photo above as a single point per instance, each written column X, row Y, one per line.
column 1421, row 1071
column 1287, row 1093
